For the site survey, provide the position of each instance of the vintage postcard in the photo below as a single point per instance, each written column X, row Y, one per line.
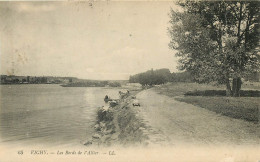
column 129, row 81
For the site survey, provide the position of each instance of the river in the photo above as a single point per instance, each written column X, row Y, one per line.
column 49, row 114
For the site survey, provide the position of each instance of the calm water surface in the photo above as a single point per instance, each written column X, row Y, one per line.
column 49, row 114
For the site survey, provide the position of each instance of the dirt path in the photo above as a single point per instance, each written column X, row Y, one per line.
column 170, row 122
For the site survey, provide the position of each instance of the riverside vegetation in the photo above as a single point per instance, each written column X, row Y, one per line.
column 118, row 124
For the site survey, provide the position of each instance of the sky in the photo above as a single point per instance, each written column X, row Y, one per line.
column 101, row 40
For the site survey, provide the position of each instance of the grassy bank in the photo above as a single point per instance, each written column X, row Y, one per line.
column 119, row 125
column 212, row 98
column 130, row 127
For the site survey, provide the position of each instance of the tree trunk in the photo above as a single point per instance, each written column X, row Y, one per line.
column 228, row 88
column 236, row 86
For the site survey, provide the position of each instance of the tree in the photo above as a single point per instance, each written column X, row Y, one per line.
column 151, row 77
column 182, row 77
column 217, row 40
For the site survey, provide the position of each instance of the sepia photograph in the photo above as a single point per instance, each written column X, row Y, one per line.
column 146, row 81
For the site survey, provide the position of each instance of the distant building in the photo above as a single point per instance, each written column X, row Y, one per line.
column 12, row 79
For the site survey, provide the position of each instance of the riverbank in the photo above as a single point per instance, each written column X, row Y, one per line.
column 213, row 98
column 119, row 125
column 128, row 125
column 174, row 124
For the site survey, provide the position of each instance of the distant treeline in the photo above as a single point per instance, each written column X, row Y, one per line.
column 92, row 83
column 13, row 79
column 160, row 76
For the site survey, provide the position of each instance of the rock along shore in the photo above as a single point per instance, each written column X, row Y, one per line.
column 118, row 124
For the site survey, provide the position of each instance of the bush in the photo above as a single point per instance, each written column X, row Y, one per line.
column 151, row 77
column 105, row 115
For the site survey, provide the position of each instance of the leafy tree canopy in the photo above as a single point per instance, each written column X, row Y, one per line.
column 217, row 40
